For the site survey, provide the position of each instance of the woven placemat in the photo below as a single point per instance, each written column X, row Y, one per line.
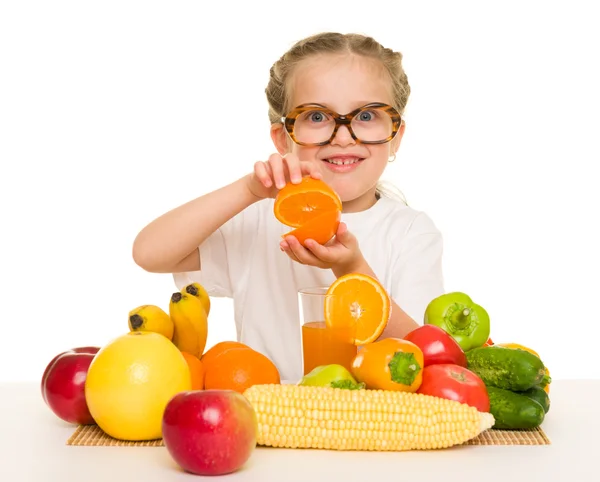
column 92, row 435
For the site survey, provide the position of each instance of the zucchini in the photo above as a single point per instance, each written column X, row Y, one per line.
column 513, row 411
column 516, row 370
column 539, row 395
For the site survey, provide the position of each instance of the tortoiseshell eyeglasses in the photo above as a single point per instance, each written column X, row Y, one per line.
column 316, row 125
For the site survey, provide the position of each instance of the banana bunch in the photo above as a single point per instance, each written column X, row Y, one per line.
column 186, row 324
column 188, row 310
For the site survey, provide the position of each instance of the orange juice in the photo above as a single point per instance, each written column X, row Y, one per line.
column 323, row 346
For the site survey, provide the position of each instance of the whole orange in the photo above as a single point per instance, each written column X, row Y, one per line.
column 217, row 349
column 240, row 368
column 196, row 370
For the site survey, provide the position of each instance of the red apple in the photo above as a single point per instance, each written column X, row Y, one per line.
column 63, row 386
column 82, row 349
column 209, row 432
column 455, row 383
column 437, row 346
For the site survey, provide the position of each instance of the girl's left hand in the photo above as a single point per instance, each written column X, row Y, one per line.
column 342, row 254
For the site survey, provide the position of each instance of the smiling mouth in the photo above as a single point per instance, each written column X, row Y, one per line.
column 344, row 162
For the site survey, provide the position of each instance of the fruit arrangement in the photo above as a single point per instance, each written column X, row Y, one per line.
column 440, row 385
column 423, row 391
column 153, row 381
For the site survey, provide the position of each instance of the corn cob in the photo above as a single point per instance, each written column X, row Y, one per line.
column 332, row 418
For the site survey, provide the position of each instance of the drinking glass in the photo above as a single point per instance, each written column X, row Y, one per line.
column 323, row 345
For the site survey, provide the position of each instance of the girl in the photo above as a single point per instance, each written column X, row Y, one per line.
column 230, row 241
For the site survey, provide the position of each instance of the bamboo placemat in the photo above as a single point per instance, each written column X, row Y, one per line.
column 92, row 435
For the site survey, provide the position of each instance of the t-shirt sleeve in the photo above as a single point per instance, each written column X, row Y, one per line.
column 418, row 276
column 214, row 266
column 223, row 255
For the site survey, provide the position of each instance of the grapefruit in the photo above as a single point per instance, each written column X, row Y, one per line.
column 131, row 380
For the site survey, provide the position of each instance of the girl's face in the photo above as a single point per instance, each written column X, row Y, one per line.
column 342, row 84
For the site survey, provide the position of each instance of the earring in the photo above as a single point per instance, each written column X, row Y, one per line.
column 392, row 158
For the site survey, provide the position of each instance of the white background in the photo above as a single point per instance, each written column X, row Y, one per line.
column 113, row 112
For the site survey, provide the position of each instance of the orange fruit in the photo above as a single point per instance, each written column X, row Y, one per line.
column 310, row 206
column 238, row 369
column 217, row 349
column 322, row 228
column 358, row 304
column 196, row 370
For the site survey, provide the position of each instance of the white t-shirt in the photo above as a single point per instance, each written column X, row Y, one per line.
column 242, row 260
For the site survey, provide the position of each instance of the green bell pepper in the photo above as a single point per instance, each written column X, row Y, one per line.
column 467, row 322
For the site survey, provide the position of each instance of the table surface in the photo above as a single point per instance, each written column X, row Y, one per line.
column 33, row 448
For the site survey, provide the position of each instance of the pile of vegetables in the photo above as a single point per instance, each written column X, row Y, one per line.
column 452, row 356
column 516, row 380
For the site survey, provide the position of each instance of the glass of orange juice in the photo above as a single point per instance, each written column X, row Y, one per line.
column 322, row 345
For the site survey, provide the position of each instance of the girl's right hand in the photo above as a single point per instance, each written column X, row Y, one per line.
column 272, row 175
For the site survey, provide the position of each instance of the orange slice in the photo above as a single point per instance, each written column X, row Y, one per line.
column 312, row 207
column 358, row 304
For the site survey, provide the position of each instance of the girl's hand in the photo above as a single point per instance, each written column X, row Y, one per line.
column 272, row 175
column 342, row 254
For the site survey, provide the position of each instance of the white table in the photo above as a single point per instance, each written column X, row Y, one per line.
column 33, row 448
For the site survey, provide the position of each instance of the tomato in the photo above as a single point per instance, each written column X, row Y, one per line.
column 455, row 383
column 389, row 364
column 489, row 342
column 437, row 346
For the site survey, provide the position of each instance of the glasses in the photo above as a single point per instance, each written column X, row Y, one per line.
column 316, row 125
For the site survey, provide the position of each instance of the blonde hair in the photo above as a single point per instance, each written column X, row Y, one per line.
column 277, row 90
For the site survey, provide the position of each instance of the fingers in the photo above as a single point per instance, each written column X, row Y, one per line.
column 319, row 251
column 289, row 168
column 285, row 247
column 294, row 167
column 263, row 174
column 278, row 172
column 344, row 237
column 311, row 169
column 299, row 253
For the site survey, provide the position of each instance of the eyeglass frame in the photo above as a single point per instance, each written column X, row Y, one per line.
column 340, row 120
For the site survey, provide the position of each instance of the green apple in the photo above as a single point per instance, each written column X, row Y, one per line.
column 335, row 376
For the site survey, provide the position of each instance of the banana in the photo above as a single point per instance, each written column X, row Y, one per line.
column 190, row 321
column 197, row 290
column 151, row 318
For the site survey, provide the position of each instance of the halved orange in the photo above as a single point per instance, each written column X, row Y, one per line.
column 295, row 204
column 358, row 304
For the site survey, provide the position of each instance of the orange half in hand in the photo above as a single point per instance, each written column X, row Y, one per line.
column 322, row 228
column 312, row 207
column 357, row 304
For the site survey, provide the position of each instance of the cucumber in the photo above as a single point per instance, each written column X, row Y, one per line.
column 539, row 395
column 514, row 411
column 500, row 367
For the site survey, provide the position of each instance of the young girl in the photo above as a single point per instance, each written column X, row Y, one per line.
column 230, row 241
